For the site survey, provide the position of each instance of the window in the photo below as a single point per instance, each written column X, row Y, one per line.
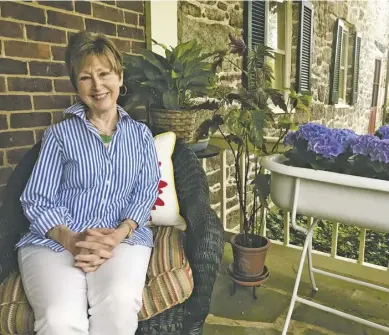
column 270, row 23
column 376, row 83
column 276, row 40
column 345, row 65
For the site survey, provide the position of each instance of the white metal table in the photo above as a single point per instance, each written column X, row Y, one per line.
column 307, row 252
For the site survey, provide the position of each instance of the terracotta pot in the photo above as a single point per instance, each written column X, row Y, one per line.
column 249, row 262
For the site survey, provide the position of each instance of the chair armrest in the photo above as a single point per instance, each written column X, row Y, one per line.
column 9, row 235
column 204, row 251
column 204, row 245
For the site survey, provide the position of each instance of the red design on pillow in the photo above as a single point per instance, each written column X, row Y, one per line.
column 161, row 185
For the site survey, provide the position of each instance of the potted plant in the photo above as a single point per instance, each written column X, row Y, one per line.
column 204, row 131
column 335, row 175
column 171, row 85
column 246, row 123
column 349, row 174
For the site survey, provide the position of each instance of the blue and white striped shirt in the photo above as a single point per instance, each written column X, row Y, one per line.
column 80, row 183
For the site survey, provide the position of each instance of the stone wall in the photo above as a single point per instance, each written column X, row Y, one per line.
column 34, row 86
column 211, row 21
column 366, row 17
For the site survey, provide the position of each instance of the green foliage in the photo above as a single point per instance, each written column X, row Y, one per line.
column 247, row 123
column 169, row 82
column 376, row 247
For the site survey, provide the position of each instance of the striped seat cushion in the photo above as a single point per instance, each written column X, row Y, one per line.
column 169, row 276
column 169, row 283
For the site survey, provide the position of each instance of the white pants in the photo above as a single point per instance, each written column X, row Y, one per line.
column 60, row 293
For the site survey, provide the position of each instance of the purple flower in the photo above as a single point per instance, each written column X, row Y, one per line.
column 380, row 152
column 326, row 145
column 290, row 139
column 310, row 131
column 306, row 132
column 372, row 147
column 364, row 144
column 332, row 143
column 383, row 132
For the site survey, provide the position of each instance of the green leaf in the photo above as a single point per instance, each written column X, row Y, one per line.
column 168, row 53
column 194, row 80
column 301, row 106
column 293, row 93
column 175, row 75
column 134, row 77
column 151, row 72
column 256, row 129
column 182, row 48
column 262, row 187
column 305, row 99
column 151, row 57
column 191, row 54
column 277, row 98
column 171, row 100
column 158, row 85
column 137, row 99
column 178, row 66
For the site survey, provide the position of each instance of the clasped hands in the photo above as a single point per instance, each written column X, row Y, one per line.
column 93, row 247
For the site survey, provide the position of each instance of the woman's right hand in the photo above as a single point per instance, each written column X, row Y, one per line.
column 88, row 260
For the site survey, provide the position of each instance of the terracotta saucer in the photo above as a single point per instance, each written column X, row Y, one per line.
column 240, row 280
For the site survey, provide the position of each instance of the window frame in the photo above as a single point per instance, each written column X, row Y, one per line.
column 342, row 100
column 286, row 54
column 376, row 84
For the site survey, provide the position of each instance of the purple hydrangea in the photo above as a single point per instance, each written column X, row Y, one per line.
column 306, row 131
column 369, row 153
column 290, row 139
column 381, row 152
column 372, row 147
column 310, row 131
column 332, row 143
column 383, row 132
column 364, row 144
column 326, row 145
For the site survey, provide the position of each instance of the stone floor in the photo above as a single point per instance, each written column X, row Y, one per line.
column 241, row 315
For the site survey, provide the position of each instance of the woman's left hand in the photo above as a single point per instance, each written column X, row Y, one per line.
column 98, row 243
column 102, row 239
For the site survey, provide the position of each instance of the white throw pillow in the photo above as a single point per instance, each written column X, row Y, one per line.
column 166, row 211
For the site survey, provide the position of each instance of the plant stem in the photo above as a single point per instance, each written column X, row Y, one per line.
column 247, row 167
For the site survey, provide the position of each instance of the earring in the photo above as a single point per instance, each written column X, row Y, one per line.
column 125, row 91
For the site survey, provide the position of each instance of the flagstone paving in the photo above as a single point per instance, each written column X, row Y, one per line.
column 240, row 314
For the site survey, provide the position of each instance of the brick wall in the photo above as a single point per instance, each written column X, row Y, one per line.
column 34, row 86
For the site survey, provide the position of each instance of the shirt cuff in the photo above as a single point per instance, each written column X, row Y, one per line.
column 49, row 220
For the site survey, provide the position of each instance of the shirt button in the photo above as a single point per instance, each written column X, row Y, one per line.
column 107, row 182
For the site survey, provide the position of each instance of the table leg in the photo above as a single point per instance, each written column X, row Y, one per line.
column 254, row 295
column 310, row 264
column 233, row 289
column 298, row 279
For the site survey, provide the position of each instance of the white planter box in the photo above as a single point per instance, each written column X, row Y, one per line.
column 352, row 200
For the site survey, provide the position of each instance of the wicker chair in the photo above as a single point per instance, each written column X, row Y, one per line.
column 204, row 244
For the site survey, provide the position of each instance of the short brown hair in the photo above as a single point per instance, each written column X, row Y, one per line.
column 84, row 44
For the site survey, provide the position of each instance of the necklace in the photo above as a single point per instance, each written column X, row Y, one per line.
column 105, row 132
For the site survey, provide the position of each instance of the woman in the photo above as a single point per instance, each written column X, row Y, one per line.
column 83, row 264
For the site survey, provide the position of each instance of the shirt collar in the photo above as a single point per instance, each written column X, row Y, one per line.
column 79, row 108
